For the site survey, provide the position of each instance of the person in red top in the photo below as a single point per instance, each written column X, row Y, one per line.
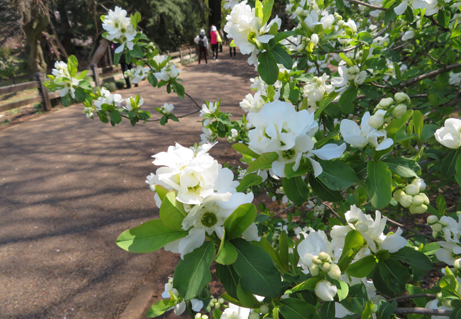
column 214, row 41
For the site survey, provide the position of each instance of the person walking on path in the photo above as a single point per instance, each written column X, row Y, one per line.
column 202, row 41
column 214, row 42
column 232, row 48
column 125, row 67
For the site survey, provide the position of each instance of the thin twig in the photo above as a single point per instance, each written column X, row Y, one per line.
column 444, row 53
column 156, row 120
column 367, row 5
column 412, row 296
column 282, row 211
column 334, row 212
column 431, row 74
column 434, row 59
column 423, row 311
column 408, row 228
column 190, row 97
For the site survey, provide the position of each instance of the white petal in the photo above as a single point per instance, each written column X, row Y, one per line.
column 197, row 305
column 194, row 240
column 330, row 151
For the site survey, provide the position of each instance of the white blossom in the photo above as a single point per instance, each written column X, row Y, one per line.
column 450, row 134
column 167, row 73
column 167, row 108
column 325, row 290
column 119, row 28
column 108, row 98
column 408, row 35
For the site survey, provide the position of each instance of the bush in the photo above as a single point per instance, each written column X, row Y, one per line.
column 110, row 86
column 120, row 84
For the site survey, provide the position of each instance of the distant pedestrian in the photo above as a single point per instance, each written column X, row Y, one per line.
column 125, row 67
column 214, row 42
column 232, row 48
column 202, row 42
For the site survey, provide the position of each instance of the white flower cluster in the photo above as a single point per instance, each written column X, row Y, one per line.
column 180, row 305
column 388, row 108
column 319, row 210
column 136, row 75
column 316, row 90
column 166, row 108
column 208, row 111
column 130, row 103
column 168, row 72
column 108, row 98
column 412, row 198
column 455, row 78
column 61, row 72
column 119, row 28
column 348, row 77
column 450, row 229
column 245, row 28
column 361, row 136
column 450, row 134
column 280, row 128
column 254, row 103
column 207, row 190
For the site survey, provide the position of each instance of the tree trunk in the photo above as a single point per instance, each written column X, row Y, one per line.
column 215, row 13
column 100, row 51
column 33, row 30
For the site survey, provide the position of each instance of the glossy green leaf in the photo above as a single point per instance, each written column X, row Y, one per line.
column 379, row 184
column 248, row 181
column 256, row 269
column 152, row 79
column 193, row 272
column 148, row 237
column 337, row 175
column 362, row 267
column 448, row 167
column 327, row 311
column 353, row 243
column 414, row 258
column 172, row 211
column 282, row 56
column 228, row 278
column 263, row 162
column 346, row 101
column 243, row 149
column 247, row 299
column 264, row 244
column 297, row 309
column 367, row 311
column 396, row 124
column 296, row 189
column 357, row 299
column 159, row 308
column 395, row 274
column 267, row 68
column 322, row 191
column 227, row 253
column 386, row 309
column 309, row 284
column 404, row 167
column 240, row 220
column 161, row 191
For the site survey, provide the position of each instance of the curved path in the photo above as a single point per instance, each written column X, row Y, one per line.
column 69, row 186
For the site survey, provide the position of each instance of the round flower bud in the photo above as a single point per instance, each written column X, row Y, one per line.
column 299, row 11
column 325, row 290
column 432, row 220
column 398, row 194
column 399, row 111
column 334, row 272
column 447, row 303
column 421, row 209
column 444, row 223
column 361, row 227
column 406, row 200
column 436, row 227
column 198, row 315
column 376, row 121
column 325, row 267
column 420, row 183
column 385, row 103
column 418, row 200
column 221, row 300
column 314, row 270
column 401, row 97
column 426, row 199
column 253, row 315
column 316, row 260
column 264, row 309
column 323, row 256
column 435, row 234
column 412, row 189
column 457, row 263
column 204, row 317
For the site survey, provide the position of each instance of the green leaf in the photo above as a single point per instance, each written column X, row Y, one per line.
column 283, row 248
column 243, row 149
column 346, row 100
column 379, row 184
column 304, row 167
column 296, row 190
column 428, row 132
column 458, row 170
column 264, row 244
column 418, row 122
column 448, row 167
column 228, row 278
column 72, row 65
column 414, row 258
column 240, row 220
column 117, row 58
column 266, row 10
column 152, row 79
column 217, row 313
column 365, row 37
column 258, row 9
column 343, row 289
column 282, row 56
column 362, row 267
column 264, row 161
column 193, row 272
column 357, row 299
column 322, row 191
column 80, row 94
column 247, row 299
column 396, row 124
column 337, row 175
column 327, row 311
column 256, row 270
column 148, row 237
column 352, row 244
column 346, row 59
column 179, row 89
column 136, row 52
column 248, row 181
column 159, row 308
column 368, row 311
column 161, row 191
column 227, row 253
column 404, row 167
column 389, row 15
column 309, row 284
column 395, row 274
column 267, row 68
column 298, row 309
column 386, row 309
column 172, row 212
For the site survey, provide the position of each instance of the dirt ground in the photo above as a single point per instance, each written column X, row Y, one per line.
column 69, row 186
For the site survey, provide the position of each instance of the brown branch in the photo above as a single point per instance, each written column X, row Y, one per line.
column 178, row 117
column 334, row 212
column 430, row 74
column 367, row 5
column 412, row 296
column 441, row 56
column 434, row 59
column 423, row 311
column 190, row 97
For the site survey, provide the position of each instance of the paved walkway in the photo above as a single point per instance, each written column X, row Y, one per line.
column 69, row 186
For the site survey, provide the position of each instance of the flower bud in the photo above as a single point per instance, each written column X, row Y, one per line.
column 412, row 189
column 314, row 270
column 447, row 303
column 253, row 315
column 426, row 199
column 399, row 111
column 421, row 209
column 204, row 317
column 325, row 267
column 323, row 256
column 436, row 227
column 398, row 194
column 299, row 11
column 198, row 315
column 420, row 183
column 418, row 200
column 221, row 300
column 334, row 272
column 457, row 263
column 361, row 227
column 264, row 309
column 325, row 290
column 432, row 220
column 435, row 234
column 376, row 121
column 385, row 103
column 401, row 97
column 316, row 260
column 406, row 200
column 444, row 223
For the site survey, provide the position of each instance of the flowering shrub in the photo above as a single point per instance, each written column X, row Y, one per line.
column 344, row 129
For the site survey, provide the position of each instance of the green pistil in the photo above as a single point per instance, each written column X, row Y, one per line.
column 209, row 219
